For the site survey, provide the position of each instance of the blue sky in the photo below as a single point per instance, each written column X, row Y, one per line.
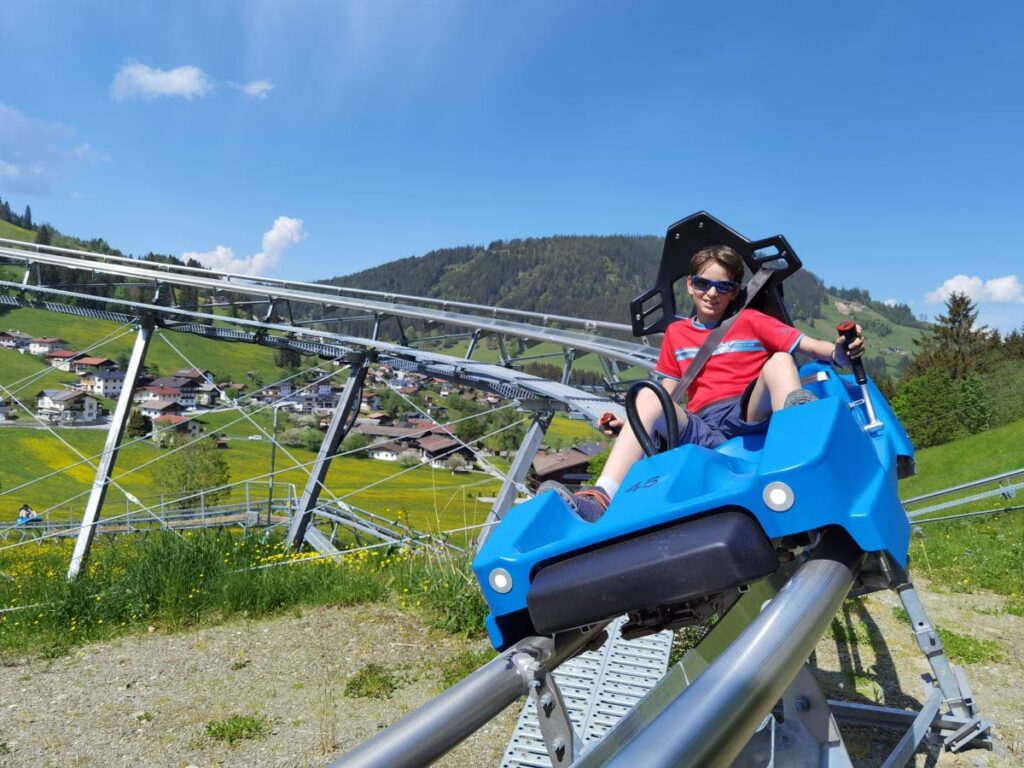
column 314, row 139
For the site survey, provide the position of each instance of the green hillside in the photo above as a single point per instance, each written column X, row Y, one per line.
column 11, row 232
column 980, row 552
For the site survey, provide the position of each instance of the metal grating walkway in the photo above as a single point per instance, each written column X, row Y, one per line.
column 598, row 687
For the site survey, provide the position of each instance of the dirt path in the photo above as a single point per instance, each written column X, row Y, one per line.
column 146, row 700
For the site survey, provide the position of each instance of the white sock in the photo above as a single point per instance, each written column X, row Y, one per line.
column 609, row 486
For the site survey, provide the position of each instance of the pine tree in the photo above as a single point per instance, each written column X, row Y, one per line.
column 953, row 343
column 138, row 425
column 26, row 220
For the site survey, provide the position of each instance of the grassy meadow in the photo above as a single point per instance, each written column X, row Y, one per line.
column 973, row 553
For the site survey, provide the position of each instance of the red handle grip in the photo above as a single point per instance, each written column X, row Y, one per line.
column 848, row 330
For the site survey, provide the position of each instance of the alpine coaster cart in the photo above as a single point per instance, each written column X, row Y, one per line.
column 768, row 533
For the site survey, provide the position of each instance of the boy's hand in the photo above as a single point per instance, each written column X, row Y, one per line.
column 846, row 352
column 610, row 424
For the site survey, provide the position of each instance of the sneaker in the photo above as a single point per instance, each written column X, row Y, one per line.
column 588, row 503
column 799, row 397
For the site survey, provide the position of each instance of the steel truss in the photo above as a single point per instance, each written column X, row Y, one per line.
column 152, row 303
column 708, row 710
column 744, row 697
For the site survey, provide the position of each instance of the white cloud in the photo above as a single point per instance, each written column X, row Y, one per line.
column 890, row 302
column 35, row 154
column 258, row 89
column 138, row 81
column 998, row 290
column 285, row 233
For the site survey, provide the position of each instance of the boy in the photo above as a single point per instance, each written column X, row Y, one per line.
column 750, row 375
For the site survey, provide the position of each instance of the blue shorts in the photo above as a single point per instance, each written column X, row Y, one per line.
column 720, row 421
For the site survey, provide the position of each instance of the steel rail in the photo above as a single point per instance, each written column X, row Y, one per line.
column 506, row 382
column 544, row 317
column 428, row 732
column 964, row 487
column 623, row 351
column 715, row 717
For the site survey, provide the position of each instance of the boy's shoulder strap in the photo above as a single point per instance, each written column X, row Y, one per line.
column 715, row 337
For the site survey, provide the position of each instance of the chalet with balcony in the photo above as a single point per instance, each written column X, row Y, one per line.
column 69, row 407
column 108, row 383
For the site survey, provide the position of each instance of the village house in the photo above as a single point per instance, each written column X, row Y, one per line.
column 68, row 406
column 436, row 450
column 154, row 391
column 43, row 344
column 62, row 359
column 172, row 428
column 386, row 451
column 206, row 392
column 187, row 388
column 569, row 467
column 85, row 364
column 154, row 409
column 108, row 383
column 14, row 339
column 5, row 411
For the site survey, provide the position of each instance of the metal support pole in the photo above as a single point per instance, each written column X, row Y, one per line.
column 570, row 358
column 339, row 427
column 472, row 344
column 273, row 457
column 928, row 641
column 426, row 733
column 709, row 724
column 106, row 464
column 516, row 474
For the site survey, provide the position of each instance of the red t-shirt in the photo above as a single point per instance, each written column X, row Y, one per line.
column 738, row 359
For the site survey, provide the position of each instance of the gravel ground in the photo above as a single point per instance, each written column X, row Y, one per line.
column 146, row 700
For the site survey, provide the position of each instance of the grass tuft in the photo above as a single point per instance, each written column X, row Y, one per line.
column 371, row 682
column 238, row 727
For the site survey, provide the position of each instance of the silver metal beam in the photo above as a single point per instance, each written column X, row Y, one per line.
column 113, row 443
column 625, row 351
column 242, row 279
column 428, row 732
column 709, row 724
column 963, row 487
column 516, row 474
column 506, row 382
column 340, row 424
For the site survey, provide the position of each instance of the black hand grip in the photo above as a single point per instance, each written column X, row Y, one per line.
column 848, row 330
column 647, row 442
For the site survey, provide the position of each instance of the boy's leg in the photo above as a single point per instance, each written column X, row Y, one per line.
column 778, row 378
column 626, row 450
column 591, row 503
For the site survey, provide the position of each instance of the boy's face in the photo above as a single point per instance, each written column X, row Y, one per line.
column 710, row 304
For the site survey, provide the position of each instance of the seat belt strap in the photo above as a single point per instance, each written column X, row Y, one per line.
column 715, row 338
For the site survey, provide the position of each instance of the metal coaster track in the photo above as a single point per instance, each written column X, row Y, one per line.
column 752, row 658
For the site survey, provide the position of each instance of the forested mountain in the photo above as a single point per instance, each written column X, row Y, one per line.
column 591, row 277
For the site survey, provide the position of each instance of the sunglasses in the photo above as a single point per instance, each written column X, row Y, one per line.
column 724, row 287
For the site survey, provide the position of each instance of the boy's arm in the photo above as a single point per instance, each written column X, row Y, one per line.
column 834, row 352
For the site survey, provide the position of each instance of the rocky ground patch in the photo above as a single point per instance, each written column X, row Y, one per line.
column 149, row 700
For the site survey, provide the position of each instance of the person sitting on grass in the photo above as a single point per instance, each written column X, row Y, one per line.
column 751, row 374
